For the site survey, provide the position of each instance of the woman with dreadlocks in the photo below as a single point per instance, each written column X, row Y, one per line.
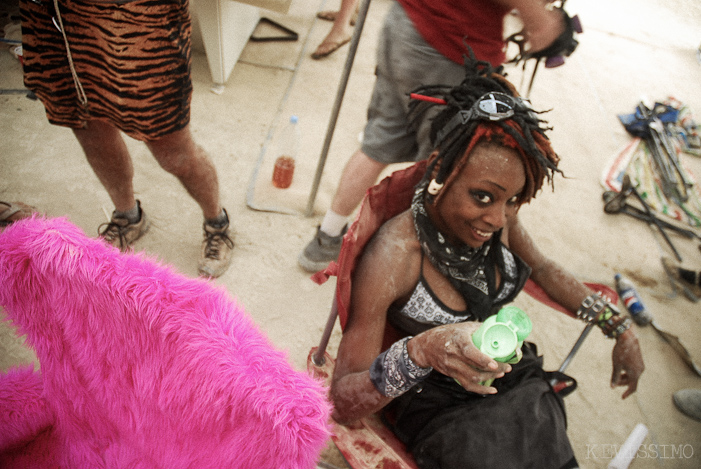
column 435, row 271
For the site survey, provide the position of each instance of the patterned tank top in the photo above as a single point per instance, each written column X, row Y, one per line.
column 425, row 310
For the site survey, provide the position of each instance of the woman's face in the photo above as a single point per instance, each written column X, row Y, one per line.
column 484, row 195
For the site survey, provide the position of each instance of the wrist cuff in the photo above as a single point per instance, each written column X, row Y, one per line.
column 591, row 308
column 597, row 311
column 393, row 372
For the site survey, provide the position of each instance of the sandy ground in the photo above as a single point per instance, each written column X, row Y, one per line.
column 629, row 49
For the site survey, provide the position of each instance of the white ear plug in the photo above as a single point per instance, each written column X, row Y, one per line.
column 434, row 188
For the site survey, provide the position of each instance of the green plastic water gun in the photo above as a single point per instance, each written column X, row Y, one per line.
column 501, row 336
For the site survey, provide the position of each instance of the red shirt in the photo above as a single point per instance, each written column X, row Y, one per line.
column 448, row 24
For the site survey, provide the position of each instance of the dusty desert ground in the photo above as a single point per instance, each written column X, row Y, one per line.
column 630, row 49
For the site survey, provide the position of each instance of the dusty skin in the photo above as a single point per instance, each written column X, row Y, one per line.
column 629, row 49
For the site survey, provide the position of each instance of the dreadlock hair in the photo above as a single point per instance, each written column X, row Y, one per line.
column 522, row 131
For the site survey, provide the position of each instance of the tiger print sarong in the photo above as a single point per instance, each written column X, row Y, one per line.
column 132, row 58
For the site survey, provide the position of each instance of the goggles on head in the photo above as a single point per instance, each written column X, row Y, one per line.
column 493, row 106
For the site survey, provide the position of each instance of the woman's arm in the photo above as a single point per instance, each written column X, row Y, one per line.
column 564, row 288
column 387, row 271
column 383, row 274
column 558, row 283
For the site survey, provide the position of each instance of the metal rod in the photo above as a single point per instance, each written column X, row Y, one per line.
column 656, row 222
column 640, row 215
column 573, row 351
column 530, row 84
column 318, row 357
column 362, row 13
column 15, row 91
column 575, row 347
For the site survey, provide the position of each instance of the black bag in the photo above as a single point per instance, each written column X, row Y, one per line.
column 522, row 426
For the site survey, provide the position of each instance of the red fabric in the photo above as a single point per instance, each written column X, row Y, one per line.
column 385, row 200
column 448, row 24
column 537, row 292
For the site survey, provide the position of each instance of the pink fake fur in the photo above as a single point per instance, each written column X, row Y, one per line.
column 142, row 367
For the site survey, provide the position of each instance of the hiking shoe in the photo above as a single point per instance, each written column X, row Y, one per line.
column 217, row 248
column 13, row 211
column 321, row 250
column 122, row 234
column 688, row 401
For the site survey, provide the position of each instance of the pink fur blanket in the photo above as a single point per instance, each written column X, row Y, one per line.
column 141, row 367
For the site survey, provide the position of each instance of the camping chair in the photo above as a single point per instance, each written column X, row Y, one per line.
column 368, row 443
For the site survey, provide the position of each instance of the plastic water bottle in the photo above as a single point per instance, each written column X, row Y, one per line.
column 501, row 336
column 287, row 148
column 632, row 301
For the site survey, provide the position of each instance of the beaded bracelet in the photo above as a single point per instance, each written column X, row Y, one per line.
column 596, row 310
column 615, row 326
column 393, row 372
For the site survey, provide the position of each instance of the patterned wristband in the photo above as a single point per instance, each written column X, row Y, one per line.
column 597, row 311
column 393, row 372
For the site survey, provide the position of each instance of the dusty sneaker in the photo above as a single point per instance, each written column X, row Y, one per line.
column 217, row 248
column 120, row 233
column 13, row 211
column 688, row 401
column 320, row 251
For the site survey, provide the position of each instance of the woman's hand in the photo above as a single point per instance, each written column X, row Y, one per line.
column 627, row 362
column 449, row 350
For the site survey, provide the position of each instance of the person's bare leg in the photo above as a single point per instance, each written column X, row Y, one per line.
column 330, row 15
column 179, row 155
column 109, row 159
column 360, row 173
column 341, row 30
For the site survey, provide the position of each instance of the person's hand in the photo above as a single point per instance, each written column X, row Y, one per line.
column 627, row 362
column 543, row 29
column 450, row 350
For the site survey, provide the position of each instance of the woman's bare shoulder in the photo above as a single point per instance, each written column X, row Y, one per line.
column 396, row 237
column 392, row 256
column 379, row 279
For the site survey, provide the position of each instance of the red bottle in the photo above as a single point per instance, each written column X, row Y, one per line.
column 288, row 144
column 283, row 172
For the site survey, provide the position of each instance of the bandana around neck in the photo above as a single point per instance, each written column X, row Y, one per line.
column 465, row 267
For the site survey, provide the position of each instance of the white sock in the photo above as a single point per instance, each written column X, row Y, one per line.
column 333, row 223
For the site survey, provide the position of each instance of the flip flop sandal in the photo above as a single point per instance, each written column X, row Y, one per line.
column 330, row 15
column 335, row 45
column 18, row 210
column 327, row 15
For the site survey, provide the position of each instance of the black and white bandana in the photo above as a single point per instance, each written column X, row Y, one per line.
column 472, row 271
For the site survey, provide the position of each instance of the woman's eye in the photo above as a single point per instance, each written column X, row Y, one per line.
column 482, row 197
column 514, row 200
